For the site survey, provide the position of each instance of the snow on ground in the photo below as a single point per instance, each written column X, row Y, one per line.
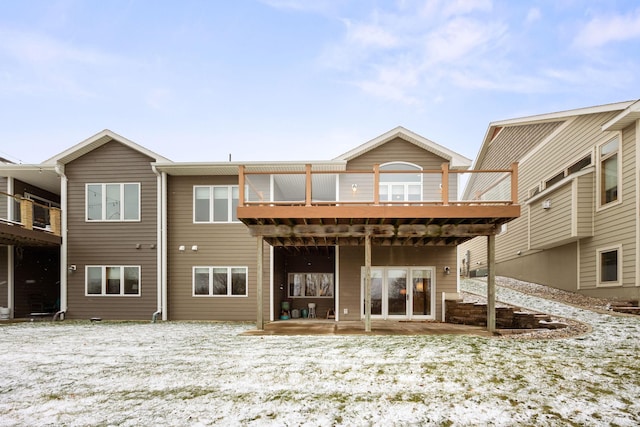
column 198, row 374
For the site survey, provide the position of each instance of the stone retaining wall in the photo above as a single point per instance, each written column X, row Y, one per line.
column 469, row 313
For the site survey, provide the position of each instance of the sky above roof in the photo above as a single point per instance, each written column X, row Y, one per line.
column 300, row 79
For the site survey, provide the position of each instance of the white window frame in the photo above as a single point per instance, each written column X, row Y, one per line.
column 600, row 204
column 405, row 184
column 103, row 202
column 229, row 281
column 103, row 275
column 599, row 252
column 230, row 209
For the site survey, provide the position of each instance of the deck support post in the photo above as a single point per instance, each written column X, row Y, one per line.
column 367, row 283
column 260, row 319
column 491, row 283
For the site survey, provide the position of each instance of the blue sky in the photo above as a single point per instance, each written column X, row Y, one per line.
column 300, row 79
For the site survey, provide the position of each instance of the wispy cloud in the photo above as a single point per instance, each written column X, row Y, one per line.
column 603, row 30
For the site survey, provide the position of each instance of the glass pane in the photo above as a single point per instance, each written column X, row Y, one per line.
column 132, row 201
column 609, row 266
column 609, row 147
column 94, row 202
column 421, row 283
column 238, row 281
column 201, row 281
column 202, row 204
column 376, row 292
column 112, row 202
column 131, row 280
column 113, row 280
column 397, row 193
column 235, row 194
column 221, row 204
column 94, row 280
column 384, row 192
column 414, row 192
column 610, row 179
column 397, row 292
column 219, row 281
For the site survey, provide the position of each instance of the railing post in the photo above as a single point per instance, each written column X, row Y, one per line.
column 26, row 213
column 241, row 186
column 445, row 184
column 514, row 183
column 54, row 219
column 307, row 192
column 376, row 184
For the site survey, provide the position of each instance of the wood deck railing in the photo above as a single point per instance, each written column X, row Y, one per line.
column 28, row 219
column 503, row 184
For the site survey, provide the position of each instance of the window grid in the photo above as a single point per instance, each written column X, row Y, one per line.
column 112, row 280
column 112, row 202
column 215, row 203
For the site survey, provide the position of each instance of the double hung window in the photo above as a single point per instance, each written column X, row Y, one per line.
column 112, row 280
column 220, row 281
column 113, row 202
column 215, row 203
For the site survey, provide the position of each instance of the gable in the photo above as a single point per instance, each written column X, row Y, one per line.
column 397, row 150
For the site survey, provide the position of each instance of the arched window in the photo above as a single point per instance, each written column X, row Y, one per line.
column 400, row 187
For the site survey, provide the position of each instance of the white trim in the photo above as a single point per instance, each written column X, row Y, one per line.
column 103, row 292
column 618, row 201
column 159, row 225
column 103, row 202
column 163, row 246
column 271, row 284
column 574, row 207
column 599, row 251
column 64, row 204
column 229, row 293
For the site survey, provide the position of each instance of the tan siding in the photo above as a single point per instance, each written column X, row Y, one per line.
column 550, row 227
column 224, row 245
column 617, row 224
column 101, row 243
column 4, row 199
column 352, row 260
column 506, row 246
column 586, row 203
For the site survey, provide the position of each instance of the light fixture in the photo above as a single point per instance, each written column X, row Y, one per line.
column 72, row 268
column 447, row 270
column 181, row 248
column 138, row 245
column 354, row 187
column 194, row 248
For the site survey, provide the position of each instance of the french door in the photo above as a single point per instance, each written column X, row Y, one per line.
column 401, row 292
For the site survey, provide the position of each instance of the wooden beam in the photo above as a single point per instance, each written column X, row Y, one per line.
column 367, row 283
column 259, row 253
column 491, row 283
column 308, row 185
column 445, row 184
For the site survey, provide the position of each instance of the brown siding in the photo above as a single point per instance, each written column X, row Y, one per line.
column 224, row 244
column 352, row 260
column 112, row 243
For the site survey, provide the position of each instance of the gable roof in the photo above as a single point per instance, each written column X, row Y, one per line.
column 457, row 161
column 495, row 127
column 625, row 118
column 97, row 141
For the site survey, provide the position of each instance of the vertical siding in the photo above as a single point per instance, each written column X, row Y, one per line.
column 112, row 243
column 223, row 244
column 352, row 260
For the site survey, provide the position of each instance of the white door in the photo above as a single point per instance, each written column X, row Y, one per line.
column 401, row 292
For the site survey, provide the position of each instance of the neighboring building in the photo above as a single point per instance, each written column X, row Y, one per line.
column 135, row 235
column 578, row 183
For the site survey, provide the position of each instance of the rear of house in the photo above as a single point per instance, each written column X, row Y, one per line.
column 578, row 179
column 370, row 234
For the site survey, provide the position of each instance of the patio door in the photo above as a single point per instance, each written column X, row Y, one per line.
column 401, row 292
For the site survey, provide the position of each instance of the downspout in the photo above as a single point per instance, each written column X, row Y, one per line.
column 63, row 246
column 160, row 246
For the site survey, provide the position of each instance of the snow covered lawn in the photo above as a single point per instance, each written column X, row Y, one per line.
column 132, row 374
